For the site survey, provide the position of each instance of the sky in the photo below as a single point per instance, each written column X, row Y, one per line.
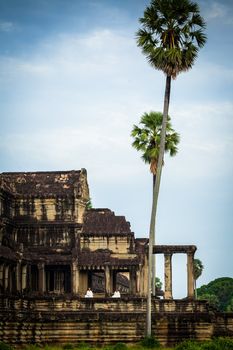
column 72, row 85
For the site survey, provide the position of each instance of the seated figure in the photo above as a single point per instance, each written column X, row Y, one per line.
column 89, row 293
column 116, row 294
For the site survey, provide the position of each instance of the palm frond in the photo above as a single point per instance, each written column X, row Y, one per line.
column 168, row 29
column 147, row 138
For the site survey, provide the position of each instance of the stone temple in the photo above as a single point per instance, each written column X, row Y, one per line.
column 53, row 248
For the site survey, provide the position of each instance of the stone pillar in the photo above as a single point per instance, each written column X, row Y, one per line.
column 113, row 275
column 144, row 277
column 18, row 277
column 107, row 281
column 168, row 276
column 24, row 277
column 1, row 278
column 74, row 278
column 10, row 278
column 111, row 282
column 6, row 278
column 29, row 277
column 41, row 284
column 190, row 277
column 138, row 280
column 132, row 281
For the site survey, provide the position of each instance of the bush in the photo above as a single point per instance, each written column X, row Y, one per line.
column 33, row 346
column 68, row 346
column 82, row 345
column 188, row 345
column 218, row 344
column 4, row 346
column 107, row 347
column 120, row 346
column 150, row 342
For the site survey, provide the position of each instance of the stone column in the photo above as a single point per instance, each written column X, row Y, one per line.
column 6, row 277
column 190, row 278
column 24, row 277
column 74, row 278
column 18, row 277
column 144, row 277
column 114, row 280
column 132, row 281
column 138, row 280
column 41, row 284
column 107, row 281
column 10, row 278
column 168, row 276
column 29, row 277
column 1, row 278
column 111, row 282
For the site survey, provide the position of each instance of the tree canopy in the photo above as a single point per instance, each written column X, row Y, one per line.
column 171, row 35
column 219, row 293
column 147, row 138
column 197, row 269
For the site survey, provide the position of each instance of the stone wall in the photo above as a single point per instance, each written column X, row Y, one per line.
column 103, row 320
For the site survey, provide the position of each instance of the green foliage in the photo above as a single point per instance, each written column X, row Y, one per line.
column 230, row 306
column 218, row 344
column 120, row 346
column 158, row 283
column 197, row 268
column 188, row 345
column 150, row 342
column 89, row 204
column 107, row 347
column 212, row 300
column 82, row 345
column 33, row 347
column 4, row 346
column 215, row 344
column 171, row 34
column 68, row 346
column 147, row 343
column 147, row 138
column 218, row 292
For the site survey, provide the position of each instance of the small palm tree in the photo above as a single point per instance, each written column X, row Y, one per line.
column 197, row 272
column 147, row 141
column 170, row 37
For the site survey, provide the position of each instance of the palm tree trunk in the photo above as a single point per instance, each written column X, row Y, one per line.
column 153, row 255
column 155, row 201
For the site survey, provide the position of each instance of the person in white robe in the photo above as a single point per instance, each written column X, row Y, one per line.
column 116, row 294
column 89, row 293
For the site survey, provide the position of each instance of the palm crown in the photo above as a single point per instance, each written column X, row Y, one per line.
column 171, row 34
column 147, row 138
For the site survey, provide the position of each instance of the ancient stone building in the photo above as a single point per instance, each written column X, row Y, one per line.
column 52, row 248
column 51, row 243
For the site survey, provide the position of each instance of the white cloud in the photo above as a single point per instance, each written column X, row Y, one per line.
column 99, row 52
column 6, row 26
column 206, row 139
column 217, row 10
column 81, row 94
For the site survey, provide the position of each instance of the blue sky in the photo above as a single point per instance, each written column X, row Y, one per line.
column 73, row 83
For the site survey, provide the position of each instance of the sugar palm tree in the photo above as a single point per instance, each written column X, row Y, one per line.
column 171, row 34
column 147, row 141
column 197, row 272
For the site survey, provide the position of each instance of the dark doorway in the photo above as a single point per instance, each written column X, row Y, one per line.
column 58, row 279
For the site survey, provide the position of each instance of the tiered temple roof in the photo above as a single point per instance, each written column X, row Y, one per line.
column 38, row 184
column 104, row 221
